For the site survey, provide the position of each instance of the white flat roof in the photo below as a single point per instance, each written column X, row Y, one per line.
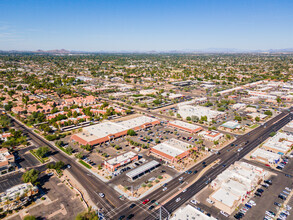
column 265, row 154
column 185, row 125
column 188, row 110
column 172, row 147
column 226, row 197
column 135, row 122
column 104, row 129
column 190, row 213
column 121, row 158
column 109, row 128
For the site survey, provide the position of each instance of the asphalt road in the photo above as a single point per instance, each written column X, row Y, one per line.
column 91, row 184
column 227, row 157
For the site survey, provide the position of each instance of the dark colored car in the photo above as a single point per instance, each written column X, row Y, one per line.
column 195, row 172
column 181, row 182
column 260, row 190
column 151, row 207
column 282, row 197
column 153, row 201
column 257, row 194
column 121, row 217
column 277, row 204
column 268, row 182
column 130, row 216
column 132, row 205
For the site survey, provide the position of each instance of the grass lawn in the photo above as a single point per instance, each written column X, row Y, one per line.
column 85, row 164
column 42, row 160
column 63, row 149
column 254, row 126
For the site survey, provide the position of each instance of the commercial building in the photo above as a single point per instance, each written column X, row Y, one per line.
column 191, row 128
column 289, row 128
column 256, row 114
column 172, row 150
column 190, row 212
column 148, row 91
column 120, row 160
column 234, row 185
column 281, row 143
column 265, row 156
column 9, row 200
column 211, row 135
column 140, row 171
column 239, row 106
column 106, row 131
column 6, row 161
column 231, row 125
column 199, row 111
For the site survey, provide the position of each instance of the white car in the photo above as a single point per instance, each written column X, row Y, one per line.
column 269, row 218
column 178, row 199
column 165, row 188
column 288, row 207
column 68, row 166
column 50, row 174
column 181, row 178
column 184, row 190
column 252, row 202
column 193, row 202
column 102, row 195
column 288, row 189
column 224, row 213
column 210, row 201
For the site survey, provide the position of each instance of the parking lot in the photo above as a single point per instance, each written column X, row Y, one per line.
column 268, row 201
column 9, row 180
column 148, row 137
column 26, row 159
column 270, row 194
column 63, row 203
column 126, row 181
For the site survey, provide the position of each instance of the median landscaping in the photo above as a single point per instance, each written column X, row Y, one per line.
column 85, row 164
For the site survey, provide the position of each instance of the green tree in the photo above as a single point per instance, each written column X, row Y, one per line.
column 131, row 132
column 268, row 112
column 257, row 119
column 88, row 215
column 42, row 151
column 30, row 176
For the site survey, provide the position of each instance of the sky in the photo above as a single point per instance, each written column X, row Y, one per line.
column 145, row 25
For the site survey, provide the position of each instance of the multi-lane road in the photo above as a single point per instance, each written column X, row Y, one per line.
column 113, row 207
column 91, row 184
column 227, row 156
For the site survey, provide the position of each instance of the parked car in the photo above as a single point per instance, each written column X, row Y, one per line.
column 257, row 194
column 224, row 213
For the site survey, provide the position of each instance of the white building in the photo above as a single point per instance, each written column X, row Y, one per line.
column 211, row 135
column 234, row 184
column 265, row 156
column 239, row 106
column 199, row 111
column 190, row 213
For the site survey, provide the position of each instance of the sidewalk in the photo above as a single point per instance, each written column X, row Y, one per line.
column 145, row 193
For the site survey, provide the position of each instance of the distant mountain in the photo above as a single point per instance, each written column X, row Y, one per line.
column 62, row 51
column 187, row 51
